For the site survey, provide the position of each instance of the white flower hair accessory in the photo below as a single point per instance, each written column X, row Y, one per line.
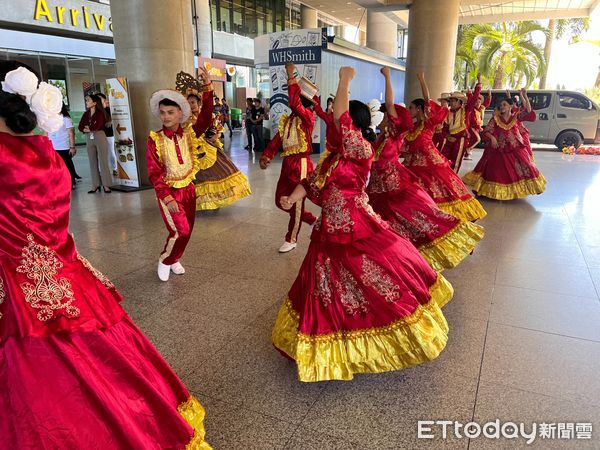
column 21, row 82
column 376, row 115
column 44, row 100
column 46, row 103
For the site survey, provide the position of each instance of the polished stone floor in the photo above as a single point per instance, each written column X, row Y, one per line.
column 524, row 341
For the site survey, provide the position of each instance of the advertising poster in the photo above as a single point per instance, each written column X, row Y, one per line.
column 120, row 109
column 303, row 48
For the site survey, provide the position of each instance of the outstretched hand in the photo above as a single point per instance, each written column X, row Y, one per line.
column 289, row 69
column 204, row 76
column 347, row 72
column 385, row 71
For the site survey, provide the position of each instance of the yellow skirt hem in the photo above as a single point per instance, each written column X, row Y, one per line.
column 449, row 250
column 221, row 193
column 412, row 340
column 466, row 210
column 193, row 413
column 499, row 191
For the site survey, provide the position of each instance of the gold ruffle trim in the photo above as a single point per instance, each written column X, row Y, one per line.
column 466, row 210
column 412, row 340
column 450, row 249
column 220, row 193
column 499, row 191
column 193, row 413
column 199, row 146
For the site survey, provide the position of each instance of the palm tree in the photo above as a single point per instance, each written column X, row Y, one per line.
column 556, row 30
column 504, row 53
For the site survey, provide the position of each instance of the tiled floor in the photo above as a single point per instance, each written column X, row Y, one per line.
column 524, row 323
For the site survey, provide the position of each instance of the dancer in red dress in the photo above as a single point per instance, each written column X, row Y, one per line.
column 174, row 159
column 365, row 300
column 443, row 240
column 432, row 170
column 76, row 373
column 458, row 124
column 476, row 116
column 439, row 134
column 295, row 139
column 506, row 170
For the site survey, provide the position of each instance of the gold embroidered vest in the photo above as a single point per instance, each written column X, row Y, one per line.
column 293, row 139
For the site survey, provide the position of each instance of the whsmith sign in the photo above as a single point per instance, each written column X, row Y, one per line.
column 299, row 55
column 85, row 19
column 301, row 47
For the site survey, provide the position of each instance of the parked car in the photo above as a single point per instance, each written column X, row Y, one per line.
column 564, row 118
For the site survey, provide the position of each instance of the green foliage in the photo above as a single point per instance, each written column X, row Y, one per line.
column 504, row 53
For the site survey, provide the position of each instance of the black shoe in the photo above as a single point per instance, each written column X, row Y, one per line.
column 247, row 147
column 77, row 177
column 93, row 191
column 106, row 190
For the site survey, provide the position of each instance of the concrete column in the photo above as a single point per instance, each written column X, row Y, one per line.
column 432, row 33
column 308, row 17
column 382, row 33
column 153, row 41
column 204, row 28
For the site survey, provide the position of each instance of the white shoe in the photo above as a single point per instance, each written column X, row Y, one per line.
column 164, row 271
column 177, row 268
column 287, row 247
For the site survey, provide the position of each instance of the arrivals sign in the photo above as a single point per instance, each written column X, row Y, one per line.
column 117, row 93
column 82, row 18
column 303, row 48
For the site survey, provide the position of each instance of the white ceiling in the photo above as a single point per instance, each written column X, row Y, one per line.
column 471, row 11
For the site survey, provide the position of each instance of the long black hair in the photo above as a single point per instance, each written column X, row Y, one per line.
column 64, row 111
column 361, row 118
column 97, row 99
column 419, row 104
column 17, row 115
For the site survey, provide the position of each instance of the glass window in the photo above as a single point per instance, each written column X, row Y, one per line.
column 226, row 10
column 238, row 17
column 539, row 100
column 215, row 15
column 574, row 101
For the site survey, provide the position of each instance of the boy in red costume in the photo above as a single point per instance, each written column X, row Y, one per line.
column 476, row 119
column 295, row 140
column 456, row 126
column 173, row 162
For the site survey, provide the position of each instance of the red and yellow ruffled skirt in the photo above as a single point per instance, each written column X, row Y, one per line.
column 442, row 239
column 370, row 306
column 506, row 175
column 448, row 191
column 94, row 389
column 220, row 185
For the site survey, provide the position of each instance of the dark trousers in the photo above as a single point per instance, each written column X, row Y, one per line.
column 68, row 159
column 257, row 132
column 249, row 127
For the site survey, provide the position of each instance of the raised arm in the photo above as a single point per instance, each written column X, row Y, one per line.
column 473, row 98
column 488, row 100
column 295, row 104
column 208, row 104
column 389, row 92
column 424, row 88
column 525, row 100
column 341, row 103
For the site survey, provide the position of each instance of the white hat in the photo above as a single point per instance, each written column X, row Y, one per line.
column 172, row 95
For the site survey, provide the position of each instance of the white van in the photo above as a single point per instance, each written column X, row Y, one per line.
column 564, row 118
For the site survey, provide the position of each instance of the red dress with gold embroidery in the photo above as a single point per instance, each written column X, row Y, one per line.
column 75, row 371
column 433, row 171
column 364, row 300
column 508, row 171
column 443, row 240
